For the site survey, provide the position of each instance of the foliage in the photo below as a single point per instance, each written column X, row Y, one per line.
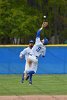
column 22, row 18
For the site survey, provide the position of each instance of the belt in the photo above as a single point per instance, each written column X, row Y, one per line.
column 35, row 56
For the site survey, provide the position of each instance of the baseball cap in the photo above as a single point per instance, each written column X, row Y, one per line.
column 31, row 41
column 45, row 41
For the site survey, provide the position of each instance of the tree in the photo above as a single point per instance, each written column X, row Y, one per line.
column 22, row 18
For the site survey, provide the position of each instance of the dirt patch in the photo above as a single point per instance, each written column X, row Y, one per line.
column 34, row 97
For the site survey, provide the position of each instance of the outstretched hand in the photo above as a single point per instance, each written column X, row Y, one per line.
column 45, row 24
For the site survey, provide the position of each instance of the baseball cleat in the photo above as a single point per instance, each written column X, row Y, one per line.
column 22, row 81
column 30, row 83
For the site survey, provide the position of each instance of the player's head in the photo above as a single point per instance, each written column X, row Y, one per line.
column 31, row 43
column 45, row 41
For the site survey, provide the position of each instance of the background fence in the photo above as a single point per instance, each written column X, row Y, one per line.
column 55, row 61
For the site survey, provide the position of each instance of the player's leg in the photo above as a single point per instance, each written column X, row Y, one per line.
column 22, row 78
column 31, row 59
column 29, row 63
column 34, row 69
column 24, row 75
column 27, row 77
column 30, row 73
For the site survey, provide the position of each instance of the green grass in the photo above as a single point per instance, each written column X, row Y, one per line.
column 42, row 84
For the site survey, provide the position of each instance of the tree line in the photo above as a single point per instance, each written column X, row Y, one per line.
column 20, row 20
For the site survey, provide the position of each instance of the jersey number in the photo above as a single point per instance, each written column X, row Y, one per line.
column 38, row 49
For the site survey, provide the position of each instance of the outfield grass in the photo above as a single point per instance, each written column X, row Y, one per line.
column 42, row 84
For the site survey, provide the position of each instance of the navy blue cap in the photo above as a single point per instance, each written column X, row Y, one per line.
column 45, row 41
column 31, row 41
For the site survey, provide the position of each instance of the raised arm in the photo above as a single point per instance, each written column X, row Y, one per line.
column 39, row 31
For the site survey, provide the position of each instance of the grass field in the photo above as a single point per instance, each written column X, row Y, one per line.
column 42, row 84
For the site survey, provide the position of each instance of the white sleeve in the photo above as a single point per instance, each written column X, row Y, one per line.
column 22, row 53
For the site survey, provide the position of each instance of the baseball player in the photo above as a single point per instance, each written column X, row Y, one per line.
column 26, row 53
column 37, row 50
